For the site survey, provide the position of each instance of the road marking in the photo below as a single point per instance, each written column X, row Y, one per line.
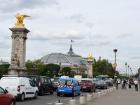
column 49, row 103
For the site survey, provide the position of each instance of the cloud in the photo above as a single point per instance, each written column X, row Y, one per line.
column 4, row 45
column 56, row 36
column 78, row 18
column 126, row 35
column 8, row 6
column 135, row 58
column 99, row 44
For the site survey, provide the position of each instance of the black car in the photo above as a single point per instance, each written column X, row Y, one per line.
column 55, row 83
column 43, row 83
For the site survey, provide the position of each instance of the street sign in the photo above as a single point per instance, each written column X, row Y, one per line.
column 114, row 66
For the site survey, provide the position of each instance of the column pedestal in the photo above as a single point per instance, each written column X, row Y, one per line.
column 18, row 54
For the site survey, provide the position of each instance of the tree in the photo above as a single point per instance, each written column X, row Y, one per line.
column 35, row 67
column 39, row 68
column 66, row 71
column 103, row 67
column 4, row 69
column 51, row 70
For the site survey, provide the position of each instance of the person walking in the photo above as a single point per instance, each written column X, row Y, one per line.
column 136, row 84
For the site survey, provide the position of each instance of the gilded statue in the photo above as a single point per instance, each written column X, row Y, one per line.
column 90, row 57
column 20, row 18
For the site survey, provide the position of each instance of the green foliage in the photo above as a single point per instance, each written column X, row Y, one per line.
column 103, row 67
column 51, row 70
column 67, row 71
column 37, row 67
column 3, row 69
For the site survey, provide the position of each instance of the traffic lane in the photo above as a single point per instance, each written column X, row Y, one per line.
column 51, row 99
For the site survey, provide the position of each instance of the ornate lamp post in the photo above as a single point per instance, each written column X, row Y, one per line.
column 126, row 68
column 90, row 67
column 128, row 71
column 115, row 64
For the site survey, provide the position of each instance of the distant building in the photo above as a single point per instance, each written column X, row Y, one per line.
column 76, row 62
column 3, row 62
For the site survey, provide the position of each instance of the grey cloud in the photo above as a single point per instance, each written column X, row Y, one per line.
column 135, row 58
column 14, row 5
column 51, row 36
column 89, row 24
column 125, row 35
column 99, row 44
column 4, row 45
column 79, row 18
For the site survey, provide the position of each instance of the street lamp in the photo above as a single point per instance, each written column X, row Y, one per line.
column 128, row 71
column 115, row 51
column 126, row 68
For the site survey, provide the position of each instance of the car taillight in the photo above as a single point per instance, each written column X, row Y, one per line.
column 39, row 84
column 18, row 88
column 68, row 86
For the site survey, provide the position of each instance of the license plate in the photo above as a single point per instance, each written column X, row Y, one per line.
column 61, row 90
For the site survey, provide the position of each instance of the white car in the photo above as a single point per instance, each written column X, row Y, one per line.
column 20, row 87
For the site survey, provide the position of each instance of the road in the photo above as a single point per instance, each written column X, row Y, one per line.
column 119, row 97
column 48, row 100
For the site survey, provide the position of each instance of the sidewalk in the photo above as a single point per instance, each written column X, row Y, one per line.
column 119, row 97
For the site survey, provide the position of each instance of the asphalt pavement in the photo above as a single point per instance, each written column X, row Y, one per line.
column 119, row 97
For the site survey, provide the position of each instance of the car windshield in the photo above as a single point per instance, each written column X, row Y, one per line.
column 65, row 82
column 56, row 80
column 85, row 81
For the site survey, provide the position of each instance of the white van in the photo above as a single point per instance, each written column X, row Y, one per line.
column 20, row 87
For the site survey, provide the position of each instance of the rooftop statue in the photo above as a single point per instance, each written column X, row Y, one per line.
column 20, row 19
column 90, row 57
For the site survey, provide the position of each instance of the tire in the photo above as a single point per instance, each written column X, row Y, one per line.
column 58, row 94
column 22, row 97
column 12, row 103
column 73, row 94
column 41, row 92
column 35, row 96
column 51, row 92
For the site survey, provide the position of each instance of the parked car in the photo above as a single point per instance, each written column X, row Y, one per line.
column 20, row 87
column 101, row 84
column 109, row 81
column 55, row 83
column 43, row 83
column 68, row 86
column 87, row 85
column 6, row 98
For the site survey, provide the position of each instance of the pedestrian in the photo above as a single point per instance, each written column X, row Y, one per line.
column 136, row 84
column 124, row 84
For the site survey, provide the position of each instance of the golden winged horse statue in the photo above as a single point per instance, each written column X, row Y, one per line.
column 20, row 18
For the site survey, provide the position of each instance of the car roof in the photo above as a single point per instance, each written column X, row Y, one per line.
column 68, row 79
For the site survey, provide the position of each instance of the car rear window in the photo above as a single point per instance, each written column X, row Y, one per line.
column 86, row 81
column 65, row 82
column 9, row 81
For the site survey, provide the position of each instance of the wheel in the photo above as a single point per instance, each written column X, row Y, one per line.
column 58, row 94
column 35, row 96
column 12, row 103
column 41, row 92
column 74, row 94
column 22, row 98
column 51, row 92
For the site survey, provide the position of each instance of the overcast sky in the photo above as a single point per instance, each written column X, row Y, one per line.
column 96, row 26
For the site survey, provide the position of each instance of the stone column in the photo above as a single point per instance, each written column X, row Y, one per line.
column 90, row 70
column 90, row 67
column 18, row 54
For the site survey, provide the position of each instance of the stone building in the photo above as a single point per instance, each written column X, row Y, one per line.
column 76, row 62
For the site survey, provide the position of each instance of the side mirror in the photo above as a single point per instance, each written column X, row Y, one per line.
column 5, row 91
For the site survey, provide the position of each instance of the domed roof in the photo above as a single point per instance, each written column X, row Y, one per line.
column 56, row 58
